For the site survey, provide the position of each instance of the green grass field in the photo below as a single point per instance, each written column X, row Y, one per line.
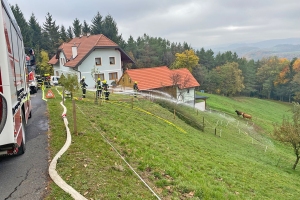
column 233, row 158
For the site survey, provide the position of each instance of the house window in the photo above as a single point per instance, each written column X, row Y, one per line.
column 112, row 60
column 188, row 90
column 57, row 73
column 101, row 76
column 98, row 61
column 62, row 61
column 113, row 76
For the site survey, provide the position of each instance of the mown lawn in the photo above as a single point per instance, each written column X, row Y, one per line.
column 232, row 159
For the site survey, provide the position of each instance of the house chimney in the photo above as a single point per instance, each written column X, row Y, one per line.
column 74, row 51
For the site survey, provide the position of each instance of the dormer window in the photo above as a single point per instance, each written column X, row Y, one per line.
column 97, row 61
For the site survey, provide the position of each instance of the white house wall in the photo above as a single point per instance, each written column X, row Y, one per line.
column 88, row 64
column 60, row 68
column 105, row 68
column 184, row 96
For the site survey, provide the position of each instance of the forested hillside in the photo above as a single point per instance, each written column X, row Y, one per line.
column 221, row 73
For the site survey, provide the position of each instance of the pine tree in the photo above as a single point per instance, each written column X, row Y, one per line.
column 206, row 58
column 35, row 32
column 70, row 33
column 51, row 30
column 63, row 34
column 131, row 45
column 96, row 27
column 24, row 27
column 77, row 27
column 110, row 29
column 85, row 28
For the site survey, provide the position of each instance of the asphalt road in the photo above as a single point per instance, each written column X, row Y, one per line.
column 25, row 177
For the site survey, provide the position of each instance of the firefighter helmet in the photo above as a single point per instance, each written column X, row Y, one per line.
column 104, row 81
column 99, row 79
column 135, row 82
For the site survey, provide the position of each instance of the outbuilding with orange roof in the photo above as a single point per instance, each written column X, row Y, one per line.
column 179, row 83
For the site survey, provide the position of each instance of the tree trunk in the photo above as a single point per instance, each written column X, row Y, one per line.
column 296, row 162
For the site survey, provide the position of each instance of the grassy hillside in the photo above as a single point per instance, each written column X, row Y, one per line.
column 232, row 159
column 264, row 112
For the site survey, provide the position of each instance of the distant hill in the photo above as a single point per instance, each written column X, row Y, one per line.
column 287, row 48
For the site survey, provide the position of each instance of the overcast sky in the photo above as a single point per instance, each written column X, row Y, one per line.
column 200, row 23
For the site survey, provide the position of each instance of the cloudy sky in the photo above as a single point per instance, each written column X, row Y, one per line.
column 200, row 23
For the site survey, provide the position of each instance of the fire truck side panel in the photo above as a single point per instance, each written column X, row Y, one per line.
column 8, row 30
column 18, row 58
column 6, row 136
column 13, row 77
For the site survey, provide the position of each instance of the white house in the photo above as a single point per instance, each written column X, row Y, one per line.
column 85, row 54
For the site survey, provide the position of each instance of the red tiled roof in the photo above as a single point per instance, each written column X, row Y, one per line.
column 53, row 60
column 85, row 45
column 187, row 79
column 157, row 77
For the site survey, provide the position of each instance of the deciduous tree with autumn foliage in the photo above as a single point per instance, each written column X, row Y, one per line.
column 289, row 132
column 187, row 59
column 227, row 79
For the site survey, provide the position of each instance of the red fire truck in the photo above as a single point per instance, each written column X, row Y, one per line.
column 15, row 104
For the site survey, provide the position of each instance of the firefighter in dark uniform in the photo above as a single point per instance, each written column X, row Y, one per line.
column 40, row 81
column 99, row 88
column 105, row 88
column 83, row 86
column 135, row 88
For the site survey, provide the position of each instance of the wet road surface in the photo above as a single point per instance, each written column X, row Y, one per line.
column 25, row 177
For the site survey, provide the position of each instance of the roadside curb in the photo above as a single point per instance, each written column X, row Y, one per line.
column 52, row 168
